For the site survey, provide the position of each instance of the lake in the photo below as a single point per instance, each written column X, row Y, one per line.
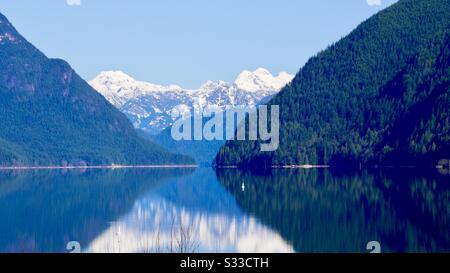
column 199, row 210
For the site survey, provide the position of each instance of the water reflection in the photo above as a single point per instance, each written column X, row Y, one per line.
column 190, row 214
column 41, row 211
column 321, row 211
column 231, row 211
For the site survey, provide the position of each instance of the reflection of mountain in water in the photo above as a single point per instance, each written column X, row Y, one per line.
column 319, row 212
column 41, row 211
column 297, row 210
column 199, row 192
column 194, row 211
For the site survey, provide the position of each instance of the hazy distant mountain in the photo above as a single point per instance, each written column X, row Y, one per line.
column 379, row 96
column 149, row 106
column 49, row 115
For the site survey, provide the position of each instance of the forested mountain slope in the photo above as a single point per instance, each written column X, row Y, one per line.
column 379, row 96
column 49, row 115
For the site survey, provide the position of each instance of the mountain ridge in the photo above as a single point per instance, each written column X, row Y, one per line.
column 149, row 106
column 51, row 116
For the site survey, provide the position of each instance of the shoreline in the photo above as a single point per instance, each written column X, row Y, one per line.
column 282, row 167
column 329, row 167
column 301, row 167
column 112, row 167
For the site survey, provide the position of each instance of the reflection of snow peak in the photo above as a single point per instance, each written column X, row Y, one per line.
column 154, row 225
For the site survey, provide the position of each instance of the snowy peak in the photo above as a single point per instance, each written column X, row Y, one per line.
column 117, row 87
column 262, row 80
column 114, row 77
column 211, row 86
column 149, row 106
column 121, row 79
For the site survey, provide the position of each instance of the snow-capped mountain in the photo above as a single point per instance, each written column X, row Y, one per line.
column 149, row 106
column 262, row 80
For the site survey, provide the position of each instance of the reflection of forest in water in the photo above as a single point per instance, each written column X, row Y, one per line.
column 309, row 210
column 321, row 211
column 43, row 210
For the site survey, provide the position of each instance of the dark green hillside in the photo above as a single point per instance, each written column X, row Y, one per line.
column 49, row 115
column 380, row 96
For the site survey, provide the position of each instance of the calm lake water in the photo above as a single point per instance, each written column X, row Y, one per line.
column 197, row 210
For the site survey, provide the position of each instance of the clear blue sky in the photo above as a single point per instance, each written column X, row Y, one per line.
column 186, row 42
